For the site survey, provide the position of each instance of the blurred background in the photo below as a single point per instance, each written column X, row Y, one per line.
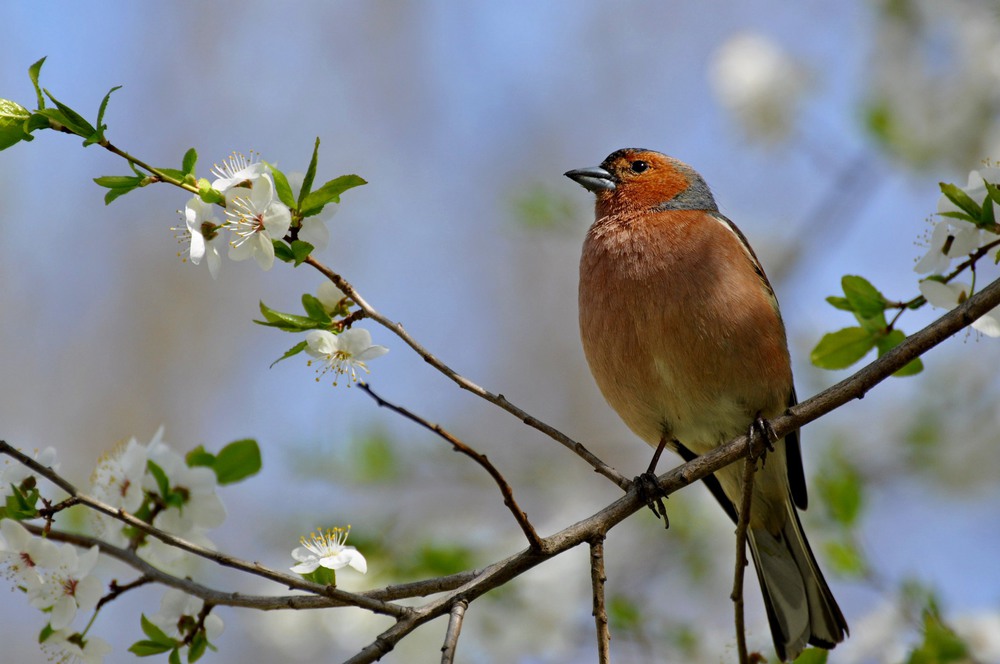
column 823, row 129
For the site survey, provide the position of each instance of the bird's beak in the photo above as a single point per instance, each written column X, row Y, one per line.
column 594, row 179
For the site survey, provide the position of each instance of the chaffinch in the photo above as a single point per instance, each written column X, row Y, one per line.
column 682, row 333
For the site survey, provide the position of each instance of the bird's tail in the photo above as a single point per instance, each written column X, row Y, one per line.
column 800, row 607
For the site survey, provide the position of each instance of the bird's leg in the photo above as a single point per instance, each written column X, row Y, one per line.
column 762, row 438
column 648, row 488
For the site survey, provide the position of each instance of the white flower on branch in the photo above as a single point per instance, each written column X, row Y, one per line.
column 238, row 171
column 256, row 216
column 343, row 353
column 328, row 549
column 24, row 555
column 950, row 295
column 63, row 648
column 330, row 296
column 203, row 229
column 957, row 238
column 68, row 586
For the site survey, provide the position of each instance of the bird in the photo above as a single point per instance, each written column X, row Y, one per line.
column 685, row 340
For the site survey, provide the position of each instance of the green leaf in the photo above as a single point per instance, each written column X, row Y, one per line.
column 283, row 189
column 315, row 309
column 33, row 72
column 845, row 559
column 865, row 299
column 208, row 194
column 329, row 192
column 288, row 322
column 162, row 481
column 282, row 251
column 189, row 162
column 294, row 350
column 100, row 115
column 300, row 251
column 890, row 341
column 841, row 489
column 324, row 576
column 957, row 215
column 875, row 325
column 199, row 457
column 841, row 303
column 993, row 191
column 173, row 173
column 197, row 648
column 20, row 505
column 46, row 632
column 237, row 460
column 13, row 117
column 961, row 199
column 154, row 633
column 812, row 656
column 989, row 216
column 148, row 648
column 307, row 181
column 119, row 185
column 940, row 645
column 841, row 349
column 74, row 121
column 175, row 656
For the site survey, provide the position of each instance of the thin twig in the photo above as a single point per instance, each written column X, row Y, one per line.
column 534, row 541
column 466, row 384
column 117, row 589
column 597, row 578
column 749, row 468
column 454, row 629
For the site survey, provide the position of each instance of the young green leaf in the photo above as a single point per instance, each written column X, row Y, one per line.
column 155, row 633
column 841, row 489
column 199, row 457
column 237, row 460
column 890, row 341
column 329, row 192
column 175, row 173
column 197, row 648
column 282, row 251
column 307, row 181
column 294, row 350
column 175, row 656
column 33, row 72
column 300, row 251
column 324, row 576
column 208, row 194
column 162, row 482
column 12, row 120
column 955, row 194
column 20, row 505
column 812, row 656
column 989, row 216
column 146, row 648
column 865, row 299
column 100, row 114
column 282, row 188
column 46, row 632
column 315, row 309
column 841, row 349
column 74, row 121
column 189, row 161
column 841, row 303
column 118, row 185
column 283, row 321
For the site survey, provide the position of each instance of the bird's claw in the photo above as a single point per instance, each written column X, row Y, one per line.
column 762, row 439
column 651, row 494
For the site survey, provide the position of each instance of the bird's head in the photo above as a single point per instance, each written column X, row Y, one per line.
column 633, row 179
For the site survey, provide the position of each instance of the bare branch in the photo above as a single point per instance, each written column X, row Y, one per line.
column 465, row 383
column 749, row 468
column 454, row 629
column 597, row 578
column 508, row 494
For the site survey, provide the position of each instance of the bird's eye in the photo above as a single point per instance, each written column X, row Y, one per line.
column 639, row 166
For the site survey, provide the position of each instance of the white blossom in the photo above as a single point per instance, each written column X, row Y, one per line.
column 343, row 353
column 327, row 549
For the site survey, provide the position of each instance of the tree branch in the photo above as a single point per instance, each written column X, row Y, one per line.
column 508, row 494
column 597, row 578
column 749, row 468
column 454, row 629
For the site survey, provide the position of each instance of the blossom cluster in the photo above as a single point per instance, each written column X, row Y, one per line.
column 254, row 216
column 964, row 227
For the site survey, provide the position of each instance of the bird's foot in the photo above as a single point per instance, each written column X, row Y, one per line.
column 762, row 439
column 650, row 493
